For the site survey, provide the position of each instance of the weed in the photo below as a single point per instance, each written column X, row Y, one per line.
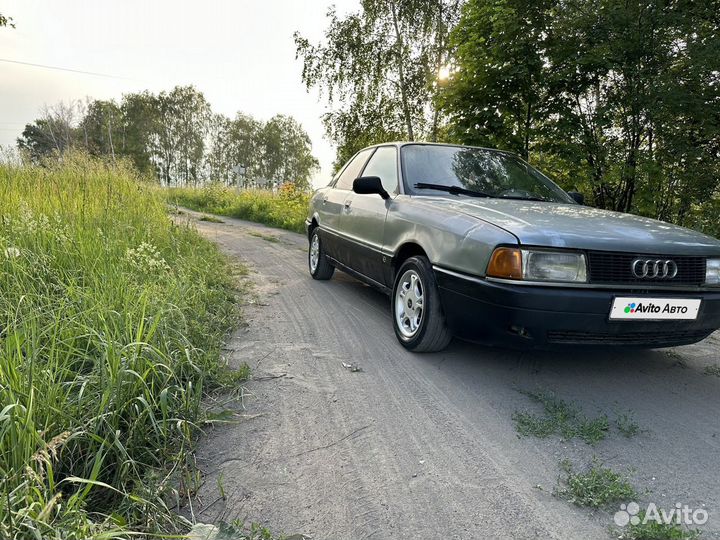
column 266, row 237
column 561, row 418
column 627, row 425
column 111, row 322
column 653, row 530
column 286, row 209
column 596, row 487
column 210, row 219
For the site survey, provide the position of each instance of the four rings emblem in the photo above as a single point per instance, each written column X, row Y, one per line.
column 654, row 268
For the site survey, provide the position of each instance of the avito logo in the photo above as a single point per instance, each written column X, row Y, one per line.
column 653, row 308
column 630, row 308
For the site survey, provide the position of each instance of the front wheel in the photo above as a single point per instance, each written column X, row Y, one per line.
column 318, row 264
column 417, row 314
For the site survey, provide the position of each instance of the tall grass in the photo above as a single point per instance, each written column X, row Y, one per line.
column 111, row 319
column 286, row 209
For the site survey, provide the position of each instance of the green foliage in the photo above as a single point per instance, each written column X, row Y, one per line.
column 497, row 92
column 111, row 320
column 559, row 418
column 596, row 487
column 378, row 67
column 655, row 531
column 618, row 99
column 175, row 136
column 287, row 209
column 210, row 219
column 266, row 237
column 627, row 425
column 286, row 152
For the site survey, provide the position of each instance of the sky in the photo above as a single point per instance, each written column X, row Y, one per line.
column 239, row 53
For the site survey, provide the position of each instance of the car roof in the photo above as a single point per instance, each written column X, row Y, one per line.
column 400, row 144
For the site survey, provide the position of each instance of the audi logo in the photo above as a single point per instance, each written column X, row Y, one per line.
column 654, row 268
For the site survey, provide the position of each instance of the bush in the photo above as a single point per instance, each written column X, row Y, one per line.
column 111, row 319
column 286, row 209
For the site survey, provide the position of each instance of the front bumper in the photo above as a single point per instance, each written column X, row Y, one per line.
column 547, row 317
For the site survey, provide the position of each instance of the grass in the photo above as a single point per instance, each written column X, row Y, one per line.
column 266, row 237
column 713, row 369
column 596, row 487
column 210, row 219
column 286, row 209
column 626, row 425
column 655, row 531
column 111, row 322
column 568, row 421
column 559, row 418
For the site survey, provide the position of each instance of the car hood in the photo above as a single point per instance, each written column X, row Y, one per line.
column 581, row 227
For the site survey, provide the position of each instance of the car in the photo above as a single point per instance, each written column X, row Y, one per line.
column 476, row 243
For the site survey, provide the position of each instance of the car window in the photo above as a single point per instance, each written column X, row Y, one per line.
column 383, row 164
column 352, row 170
column 495, row 174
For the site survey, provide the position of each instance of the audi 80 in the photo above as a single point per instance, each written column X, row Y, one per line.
column 477, row 243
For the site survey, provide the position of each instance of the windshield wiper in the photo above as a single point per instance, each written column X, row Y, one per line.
column 454, row 190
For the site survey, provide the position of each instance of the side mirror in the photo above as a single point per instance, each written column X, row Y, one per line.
column 369, row 185
column 577, row 197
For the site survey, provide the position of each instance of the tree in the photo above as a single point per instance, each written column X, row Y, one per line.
column 384, row 58
column 498, row 93
column 287, row 152
column 236, row 142
column 140, row 120
column 52, row 134
column 177, row 138
column 101, row 128
column 620, row 98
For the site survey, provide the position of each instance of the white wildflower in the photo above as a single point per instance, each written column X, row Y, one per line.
column 146, row 257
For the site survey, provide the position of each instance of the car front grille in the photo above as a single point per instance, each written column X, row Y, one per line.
column 612, row 268
column 656, row 339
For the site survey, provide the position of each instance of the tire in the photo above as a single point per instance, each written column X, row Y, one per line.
column 318, row 264
column 424, row 330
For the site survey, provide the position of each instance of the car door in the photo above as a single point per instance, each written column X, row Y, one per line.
column 331, row 206
column 363, row 216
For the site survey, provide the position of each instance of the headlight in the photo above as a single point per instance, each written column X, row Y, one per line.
column 712, row 274
column 538, row 265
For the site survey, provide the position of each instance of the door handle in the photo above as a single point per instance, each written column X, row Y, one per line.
column 324, row 200
column 347, row 204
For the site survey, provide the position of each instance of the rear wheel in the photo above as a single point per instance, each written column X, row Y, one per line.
column 418, row 318
column 318, row 264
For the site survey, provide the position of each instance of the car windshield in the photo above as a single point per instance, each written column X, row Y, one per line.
column 487, row 172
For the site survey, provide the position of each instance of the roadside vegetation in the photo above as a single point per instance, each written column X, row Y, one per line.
column 595, row 487
column 656, row 531
column 626, row 425
column 210, row 219
column 111, row 322
column 566, row 419
column 559, row 418
column 286, row 209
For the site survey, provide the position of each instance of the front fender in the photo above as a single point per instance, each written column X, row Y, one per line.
column 451, row 240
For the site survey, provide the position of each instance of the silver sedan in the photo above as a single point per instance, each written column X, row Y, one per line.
column 477, row 243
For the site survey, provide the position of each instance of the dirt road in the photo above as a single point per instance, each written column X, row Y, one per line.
column 424, row 446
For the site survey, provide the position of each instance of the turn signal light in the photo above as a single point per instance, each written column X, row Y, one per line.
column 505, row 263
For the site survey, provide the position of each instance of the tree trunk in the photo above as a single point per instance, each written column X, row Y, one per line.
column 528, row 123
column 401, row 72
